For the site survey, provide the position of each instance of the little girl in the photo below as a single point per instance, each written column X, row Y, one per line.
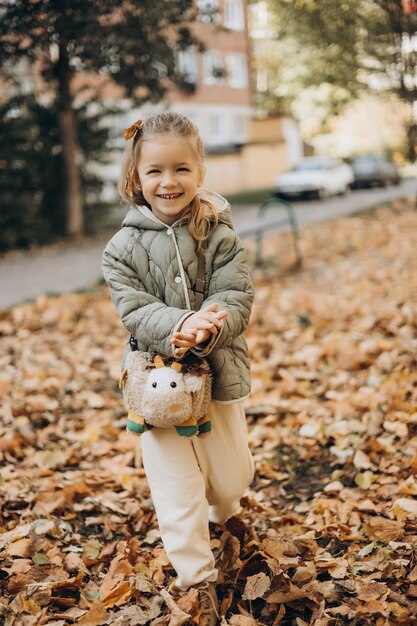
column 150, row 266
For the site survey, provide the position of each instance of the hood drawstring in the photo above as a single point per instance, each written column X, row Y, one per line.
column 170, row 231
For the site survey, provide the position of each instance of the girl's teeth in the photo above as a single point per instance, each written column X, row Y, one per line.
column 171, row 196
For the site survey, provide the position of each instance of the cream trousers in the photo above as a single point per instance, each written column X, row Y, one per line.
column 194, row 481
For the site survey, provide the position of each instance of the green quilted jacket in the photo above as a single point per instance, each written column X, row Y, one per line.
column 151, row 271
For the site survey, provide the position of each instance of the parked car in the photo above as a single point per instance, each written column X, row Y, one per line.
column 317, row 177
column 374, row 170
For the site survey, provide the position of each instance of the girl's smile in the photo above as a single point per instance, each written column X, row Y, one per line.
column 169, row 176
column 172, row 196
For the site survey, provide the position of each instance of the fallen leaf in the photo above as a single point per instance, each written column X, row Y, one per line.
column 404, row 508
column 177, row 616
column 96, row 616
column 256, row 586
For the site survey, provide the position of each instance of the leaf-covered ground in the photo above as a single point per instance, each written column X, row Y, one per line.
column 327, row 534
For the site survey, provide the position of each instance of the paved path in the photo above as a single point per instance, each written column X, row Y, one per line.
column 26, row 275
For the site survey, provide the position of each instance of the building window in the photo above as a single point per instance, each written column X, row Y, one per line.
column 239, row 128
column 208, row 10
column 215, row 130
column 233, row 15
column 187, row 65
column 213, row 67
column 236, row 70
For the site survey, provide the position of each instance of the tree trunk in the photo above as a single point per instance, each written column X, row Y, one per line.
column 70, row 152
column 411, row 141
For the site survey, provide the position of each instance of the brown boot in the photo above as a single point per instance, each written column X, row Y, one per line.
column 209, row 604
column 207, row 599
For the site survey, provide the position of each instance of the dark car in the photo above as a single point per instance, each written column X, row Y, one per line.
column 374, row 170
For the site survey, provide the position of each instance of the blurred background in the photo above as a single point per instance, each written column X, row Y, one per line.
column 267, row 82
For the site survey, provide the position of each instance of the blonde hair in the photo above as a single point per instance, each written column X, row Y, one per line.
column 202, row 212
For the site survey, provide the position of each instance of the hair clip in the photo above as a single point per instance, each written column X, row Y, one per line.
column 132, row 130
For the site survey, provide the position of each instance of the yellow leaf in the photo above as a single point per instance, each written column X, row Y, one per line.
column 365, row 479
column 404, row 507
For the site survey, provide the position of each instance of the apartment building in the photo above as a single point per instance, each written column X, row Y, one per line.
column 221, row 103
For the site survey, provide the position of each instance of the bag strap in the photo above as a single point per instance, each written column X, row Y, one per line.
column 199, row 288
column 201, row 277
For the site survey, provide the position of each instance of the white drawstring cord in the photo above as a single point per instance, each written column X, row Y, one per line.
column 183, row 280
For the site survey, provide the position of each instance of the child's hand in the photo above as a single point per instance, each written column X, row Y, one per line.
column 198, row 328
column 205, row 319
column 185, row 341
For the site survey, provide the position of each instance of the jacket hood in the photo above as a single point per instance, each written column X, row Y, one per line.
column 142, row 217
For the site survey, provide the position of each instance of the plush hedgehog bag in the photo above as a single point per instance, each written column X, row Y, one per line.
column 167, row 394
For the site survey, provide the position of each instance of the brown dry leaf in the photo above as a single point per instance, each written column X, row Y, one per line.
column 177, row 616
column 283, row 591
column 95, row 616
column 120, row 594
column 371, row 591
column 361, row 460
column 413, row 463
column 256, row 563
column 343, row 610
column 71, row 615
column 305, row 573
column 49, row 501
column 384, row 529
column 133, row 615
column 256, row 586
column 280, row 615
column 14, row 535
column 20, row 548
column 157, row 565
column 242, row 620
column 334, row 396
column 412, row 576
column 404, row 508
column 189, row 603
column 230, row 550
column 20, row 566
column 115, row 590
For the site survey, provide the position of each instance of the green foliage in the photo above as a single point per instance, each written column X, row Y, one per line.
column 349, row 42
column 132, row 44
column 351, row 47
column 30, row 171
column 31, row 192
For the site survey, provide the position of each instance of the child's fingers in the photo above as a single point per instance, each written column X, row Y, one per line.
column 210, row 307
column 210, row 318
column 204, row 324
column 214, row 315
column 183, row 344
column 203, row 335
column 190, row 335
column 183, row 340
column 180, row 351
column 222, row 314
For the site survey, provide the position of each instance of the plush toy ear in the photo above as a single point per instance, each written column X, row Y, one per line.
column 158, row 360
column 176, row 366
column 193, row 383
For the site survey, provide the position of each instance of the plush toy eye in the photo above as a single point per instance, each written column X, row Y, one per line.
column 153, row 384
column 173, row 384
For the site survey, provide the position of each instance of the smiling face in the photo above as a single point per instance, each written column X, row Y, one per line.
column 169, row 175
